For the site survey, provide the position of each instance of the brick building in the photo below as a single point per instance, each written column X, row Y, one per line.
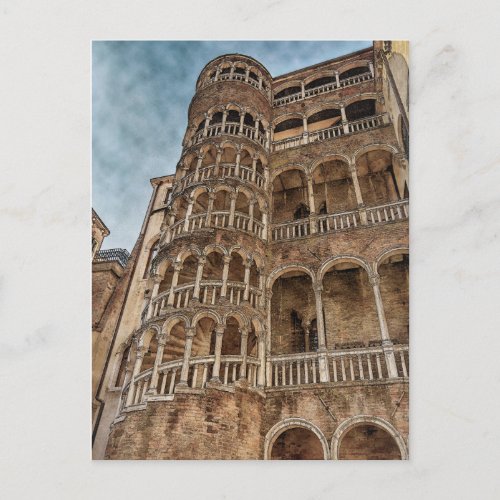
column 263, row 312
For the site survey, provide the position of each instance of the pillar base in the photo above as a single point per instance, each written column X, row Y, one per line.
column 152, row 391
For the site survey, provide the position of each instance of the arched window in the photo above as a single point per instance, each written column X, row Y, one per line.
column 301, row 212
column 152, row 254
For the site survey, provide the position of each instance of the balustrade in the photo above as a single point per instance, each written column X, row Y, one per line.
column 322, row 89
column 389, row 212
column 343, row 366
column 367, row 123
column 200, row 370
column 230, row 128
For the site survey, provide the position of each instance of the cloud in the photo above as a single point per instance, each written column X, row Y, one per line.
column 141, row 94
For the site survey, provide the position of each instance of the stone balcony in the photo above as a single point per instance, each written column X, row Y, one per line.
column 323, row 89
column 347, row 128
column 322, row 224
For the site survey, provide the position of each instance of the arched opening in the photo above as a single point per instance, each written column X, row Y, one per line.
column 318, row 82
column 241, row 205
column 174, row 347
column 180, row 208
column 212, row 269
column 203, row 337
column 252, row 343
column 216, row 118
column 353, row 72
column 288, row 91
column 233, row 116
column 209, row 157
column 288, row 128
column 188, row 272
column 120, row 378
column 324, row 119
column 360, row 109
column 254, row 275
column 236, row 268
column 150, row 354
column 231, row 342
column 394, row 280
column 166, row 281
column 333, row 188
column 293, row 306
column 222, row 201
column 200, row 203
column 376, row 177
column 349, row 306
column 368, row 442
column 297, row 443
column 152, row 254
column 289, row 194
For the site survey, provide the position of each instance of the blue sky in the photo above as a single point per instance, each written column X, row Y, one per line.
column 140, row 96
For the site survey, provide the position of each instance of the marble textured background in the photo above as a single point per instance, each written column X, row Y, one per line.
column 44, row 251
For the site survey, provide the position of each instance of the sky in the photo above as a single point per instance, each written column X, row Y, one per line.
column 140, row 97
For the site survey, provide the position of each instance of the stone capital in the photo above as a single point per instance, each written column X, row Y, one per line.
column 219, row 329
column 226, row 259
column 374, row 279
column 190, row 332
column 318, row 288
column 202, row 260
column 233, row 196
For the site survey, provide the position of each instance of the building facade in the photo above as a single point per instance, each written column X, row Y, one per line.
column 263, row 313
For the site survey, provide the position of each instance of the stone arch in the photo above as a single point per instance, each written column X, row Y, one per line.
column 332, row 104
column 163, row 264
column 329, row 157
column 147, row 334
column 239, row 316
column 325, row 73
column 332, row 261
column 174, row 320
column 214, row 247
column 206, row 313
column 352, row 422
column 285, row 168
column 352, row 65
column 258, row 325
column 397, row 250
column 184, row 254
column 360, row 97
column 285, row 268
column 197, row 191
column 239, row 250
column 286, row 116
column 290, row 423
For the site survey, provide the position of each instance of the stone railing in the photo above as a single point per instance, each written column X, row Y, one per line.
column 218, row 219
column 200, row 372
column 367, row 123
column 238, row 77
column 230, row 129
column 210, row 294
column 323, row 89
column 322, row 224
column 347, row 365
column 224, row 171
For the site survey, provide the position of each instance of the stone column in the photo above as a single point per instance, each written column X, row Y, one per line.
column 217, row 162
column 217, row 73
column 359, row 198
column 246, row 279
column 211, row 199
column 168, row 234
column 225, row 272
column 162, row 340
column 242, row 117
column 264, row 222
column 154, row 293
column 266, row 176
column 197, row 282
column 205, row 126
column 372, row 71
column 384, row 331
column 223, row 124
column 254, row 167
column 244, row 346
column 260, row 270
column 250, row 214
column 305, row 133
column 188, row 215
column 345, row 125
column 233, row 197
column 175, row 278
column 247, row 73
column 261, row 375
column 219, row 334
column 337, row 79
column 269, row 374
column 137, row 369
column 324, row 375
column 197, row 170
column 303, row 90
column 237, row 164
column 307, row 329
column 231, row 73
column 257, row 121
column 187, row 355
column 260, row 83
